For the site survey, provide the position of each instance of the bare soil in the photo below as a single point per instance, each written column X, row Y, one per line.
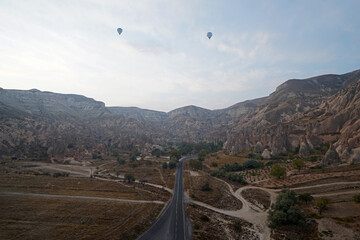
column 218, row 226
column 257, row 197
column 219, row 196
column 291, row 232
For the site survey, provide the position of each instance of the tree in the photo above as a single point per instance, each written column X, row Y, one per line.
column 195, row 164
column 202, row 154
column 305, row 197
column 298, row 164
column 321, row 204
column 285, row 211
column 172, row 164
column 132, row 157
column 165, row 165
column 143, row 181
column 129, row 177
column 278, row 171
column 175, row 154
column 120, row 160
column 156, row 152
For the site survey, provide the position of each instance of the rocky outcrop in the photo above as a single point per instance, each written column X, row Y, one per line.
column 266, row 154
column 258, row 148
column 304, row 113
column 304, row 149
column 331, row 157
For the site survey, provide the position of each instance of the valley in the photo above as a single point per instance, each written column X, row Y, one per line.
column 72, row 167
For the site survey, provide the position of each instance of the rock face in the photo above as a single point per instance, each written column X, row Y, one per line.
column 40, row 124
column 331, row 157
column 304, row 149
column 300, row 113
column 258, row 148
column 303, row 113
column 191, row 123
column 266, row 154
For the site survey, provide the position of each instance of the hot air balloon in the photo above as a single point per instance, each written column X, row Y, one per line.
column 119, row 30
column 209, row 35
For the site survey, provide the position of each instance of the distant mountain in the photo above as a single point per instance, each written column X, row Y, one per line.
column 35, row 123
column 299, row 114
column 51, row 105
column 276, row 122
column 189, row 123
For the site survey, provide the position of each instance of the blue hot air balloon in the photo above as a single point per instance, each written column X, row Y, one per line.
column 119, row 30
column 209, row 35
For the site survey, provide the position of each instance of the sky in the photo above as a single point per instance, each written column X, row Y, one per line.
column 163, row 59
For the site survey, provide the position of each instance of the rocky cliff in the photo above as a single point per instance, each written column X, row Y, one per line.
column 303, row 114
column 35, row 123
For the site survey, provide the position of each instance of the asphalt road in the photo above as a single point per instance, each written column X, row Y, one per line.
column 172, row 222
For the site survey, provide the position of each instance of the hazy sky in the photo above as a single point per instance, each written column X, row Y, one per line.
column 163, row 59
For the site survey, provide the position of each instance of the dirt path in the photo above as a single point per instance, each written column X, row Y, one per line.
column 337, row 193
column 324, row 185
column 248, row 212
column 161, row 176
column 21, row 194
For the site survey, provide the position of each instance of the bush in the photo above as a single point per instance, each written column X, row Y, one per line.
column 175, row 154
column 121, row 161
column 305, row 197
column 129, row 177
column 298, row 164
column 252, row 164
column 165, row 165
column 357, row 198
column 206, row 187
column 214, row 164
column 204, row 218
column 202, row 155
column 278, row 171
column 156, row 152
column 321, row 204
column 57, row 174
column 235, row 177
column 251, row 155
column 196, row 226
column 237, row 225
column 195, row 164
column 285, row 211
column 172, row 164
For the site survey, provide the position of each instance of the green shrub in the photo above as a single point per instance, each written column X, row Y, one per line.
column 214, row 164
column 165, row 165
column 237, row 225
column 204, row 218
column 195, row 164
column 206, row 187
column 285, row 211
column 196, row 226
column 278, row 171
column 357, row 198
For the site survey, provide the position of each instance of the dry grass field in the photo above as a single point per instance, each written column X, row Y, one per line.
column 221, row 158
column 80, row 187
column 34, row 206
column 210, row 225
column 219, row 196
column 153, row 173
column 41, row 218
